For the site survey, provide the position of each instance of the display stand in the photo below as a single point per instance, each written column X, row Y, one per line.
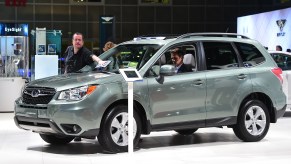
column 46, row 57
column 10, row 90
column 45, row 66
column 130, row 75
column 130, row 117
column 14, row 63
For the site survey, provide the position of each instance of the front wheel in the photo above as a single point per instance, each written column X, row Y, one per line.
column 113, row 135
column 55, row 139
column 253, row 121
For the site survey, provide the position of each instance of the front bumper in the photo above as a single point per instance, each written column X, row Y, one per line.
column 42, row 125
column 70, row 119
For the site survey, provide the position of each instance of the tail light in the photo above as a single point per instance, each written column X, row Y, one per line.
column 278, row 72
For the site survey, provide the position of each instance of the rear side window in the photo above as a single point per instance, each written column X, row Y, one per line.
column 250, row 55
column 220, row 55
column 283, row 61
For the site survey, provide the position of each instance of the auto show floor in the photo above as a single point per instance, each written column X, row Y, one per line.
column 209, row 145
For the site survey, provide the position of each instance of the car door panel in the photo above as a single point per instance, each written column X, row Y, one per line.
column 180, row 98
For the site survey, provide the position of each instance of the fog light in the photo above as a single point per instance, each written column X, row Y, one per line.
column 75, row 128
column 71, row 128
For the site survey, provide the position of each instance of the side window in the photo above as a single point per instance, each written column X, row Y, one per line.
column 250, row 55
column 280, row 60
column 183, row 57
column 288, row 62
column 220, row 55
column 283, row 61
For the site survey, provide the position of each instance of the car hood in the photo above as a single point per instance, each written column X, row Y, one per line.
column 72, row 80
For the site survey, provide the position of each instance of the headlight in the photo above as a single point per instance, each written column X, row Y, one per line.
column 76, row 94
column 23, row 88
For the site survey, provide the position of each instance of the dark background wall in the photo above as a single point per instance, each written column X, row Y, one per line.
column 134, row 19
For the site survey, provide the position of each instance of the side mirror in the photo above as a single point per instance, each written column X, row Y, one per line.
column 166, row 70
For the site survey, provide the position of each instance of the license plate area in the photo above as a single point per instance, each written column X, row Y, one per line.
column 31, row 113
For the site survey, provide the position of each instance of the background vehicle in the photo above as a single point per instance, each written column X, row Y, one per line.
column 234, row 82
column 283, row 60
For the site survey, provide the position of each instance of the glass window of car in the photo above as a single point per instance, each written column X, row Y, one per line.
column 187, row 49
column 283, row 61
column 220, row 55
column 130, row 55
column 189, row 58
column 250, row 55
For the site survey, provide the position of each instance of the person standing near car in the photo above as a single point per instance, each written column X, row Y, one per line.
column 279, row 48
column 78, row 56
column 108, row 45
column 116, row 61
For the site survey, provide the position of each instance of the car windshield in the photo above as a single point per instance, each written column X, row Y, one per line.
column 129, row 56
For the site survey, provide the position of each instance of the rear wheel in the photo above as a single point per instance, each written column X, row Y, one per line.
column 253, row 121
column 55, row 139
column 186, row 131
column 113, row 135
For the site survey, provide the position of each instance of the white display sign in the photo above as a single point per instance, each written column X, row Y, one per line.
column 270, row 28
column 46, row 65
column 130, row 74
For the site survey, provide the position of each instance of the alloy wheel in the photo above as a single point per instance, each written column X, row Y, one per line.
column 119, row 129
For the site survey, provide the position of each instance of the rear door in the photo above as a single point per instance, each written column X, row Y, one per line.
column 227, row 82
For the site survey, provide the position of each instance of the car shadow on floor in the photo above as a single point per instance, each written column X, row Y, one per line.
column 73, row 148
column 287, row 114
column 196, row 139
column 146, row 142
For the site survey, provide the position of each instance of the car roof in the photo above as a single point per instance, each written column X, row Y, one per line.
column 151, row 40
column 162, row 40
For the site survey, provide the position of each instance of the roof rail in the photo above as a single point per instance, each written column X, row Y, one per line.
column 149, row 37
column 144, row 37
column 232, row 35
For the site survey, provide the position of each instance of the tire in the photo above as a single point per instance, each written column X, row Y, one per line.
column 253, row 121
column 113, row 137
column 56, row 140
column 186, row 132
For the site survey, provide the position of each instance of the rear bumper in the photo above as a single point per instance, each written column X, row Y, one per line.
column 280, row 112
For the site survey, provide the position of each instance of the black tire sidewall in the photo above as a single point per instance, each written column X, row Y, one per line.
column 240, row 128
column 104, row 136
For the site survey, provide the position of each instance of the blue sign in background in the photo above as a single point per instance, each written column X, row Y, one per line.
column 106, row 30
column 13, row 29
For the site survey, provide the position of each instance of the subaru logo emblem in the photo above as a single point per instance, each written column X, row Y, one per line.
column 35, row 93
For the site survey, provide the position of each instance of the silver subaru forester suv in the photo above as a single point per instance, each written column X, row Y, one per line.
column 234, row 82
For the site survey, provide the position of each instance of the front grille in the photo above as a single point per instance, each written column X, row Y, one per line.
column 38, row 95
column 32, row 107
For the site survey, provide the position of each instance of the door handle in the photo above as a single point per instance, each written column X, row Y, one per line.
column 198, row 82
column 242, row 76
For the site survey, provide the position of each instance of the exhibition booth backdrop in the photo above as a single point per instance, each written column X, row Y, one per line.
column 14, row 62
column 270, row 28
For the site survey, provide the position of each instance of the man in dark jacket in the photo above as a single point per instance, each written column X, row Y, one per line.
column 78, row 56
column 177, row 56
